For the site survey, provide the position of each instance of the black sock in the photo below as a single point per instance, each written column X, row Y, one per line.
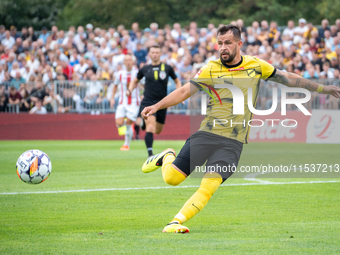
column 136, row 129
column 143, row 126
column 148, row 142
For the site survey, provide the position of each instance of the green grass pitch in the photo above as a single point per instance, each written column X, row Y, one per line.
column 239, row 219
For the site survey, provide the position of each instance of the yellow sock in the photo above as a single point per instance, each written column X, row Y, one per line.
column 171, row 175
column 195, row 204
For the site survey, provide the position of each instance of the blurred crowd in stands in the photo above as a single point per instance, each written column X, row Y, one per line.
column 30, row 60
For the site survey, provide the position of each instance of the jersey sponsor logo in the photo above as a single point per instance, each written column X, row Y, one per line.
column 236, row 69
column 251, row 73
column 231, row 70
column 155, row 68
column 162, row 75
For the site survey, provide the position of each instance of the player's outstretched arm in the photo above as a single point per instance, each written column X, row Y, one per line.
column 112, row 100
column 294, row 80
column 174, row 98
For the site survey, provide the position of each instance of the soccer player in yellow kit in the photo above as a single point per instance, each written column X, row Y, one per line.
column 215, row 143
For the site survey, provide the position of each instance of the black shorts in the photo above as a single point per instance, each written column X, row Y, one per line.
column 160, row 115
column 221, row 154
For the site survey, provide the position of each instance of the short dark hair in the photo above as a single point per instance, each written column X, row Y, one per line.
column 155, row 46
column 234, row 29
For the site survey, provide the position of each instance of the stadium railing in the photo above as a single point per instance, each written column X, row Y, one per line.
column 94, row 97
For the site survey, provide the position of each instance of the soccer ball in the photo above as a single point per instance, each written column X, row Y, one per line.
column 33, row 166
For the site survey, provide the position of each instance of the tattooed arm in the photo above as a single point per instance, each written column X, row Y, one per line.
column 294, row 80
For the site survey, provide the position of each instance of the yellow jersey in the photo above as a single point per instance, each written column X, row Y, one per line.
column 246, row 74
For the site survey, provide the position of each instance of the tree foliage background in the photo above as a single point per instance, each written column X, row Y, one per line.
column 104, row 13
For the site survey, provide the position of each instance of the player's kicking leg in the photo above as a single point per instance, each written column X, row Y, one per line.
column 173, row 175
column 175, row 170
column 170, row 176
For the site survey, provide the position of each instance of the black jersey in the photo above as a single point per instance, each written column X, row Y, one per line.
column 156, row 80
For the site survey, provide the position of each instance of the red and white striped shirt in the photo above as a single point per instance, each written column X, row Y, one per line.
column 123, row 79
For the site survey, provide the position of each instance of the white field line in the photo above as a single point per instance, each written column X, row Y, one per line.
column 165, row 187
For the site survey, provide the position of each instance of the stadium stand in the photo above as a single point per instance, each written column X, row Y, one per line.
column 72, row 71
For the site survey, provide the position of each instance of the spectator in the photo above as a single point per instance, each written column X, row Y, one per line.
column 17, row 80
column 33, row 63
column 289, row 31
column 327, row 72
column 3, row 99
column 274, row 33
column 263, row 36
column 336, row 43
column 176, row 32
column 49, row 74
column 38, row 108
column 305, row 51
column 24, row 33
column 334, row 30
column 140, row 54
column 324, row 27
column 15, row 68
column 330, row 54
column 2, row 32
column 186, row 69
column 134, row 30
column 26, row 72
column 2, row 70
column 312, row 45
column 67, row 69
column 25, row 103
column 198, row 62
column 256, row 28
column 38, row 93
column 308, row 34
column 8, row 41
column 81, row 67
column 286, row 42
column 31, row 34
column 14, row 96
column 19, row 47
column 299, row 31
column 61, row 37
column 14, row 32
column 154, row 28
column 93, row 91
column 329, row 41
column 104, row 50
column 251, row 37
column 74, row 58
column 310, row 73
column 334, row 63
column 265, row 25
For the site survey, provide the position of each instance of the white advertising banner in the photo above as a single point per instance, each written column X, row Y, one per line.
column 324, row 126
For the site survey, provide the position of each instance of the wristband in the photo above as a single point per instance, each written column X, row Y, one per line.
column 320, row 88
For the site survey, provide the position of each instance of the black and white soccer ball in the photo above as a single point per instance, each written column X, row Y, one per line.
column 33, row 166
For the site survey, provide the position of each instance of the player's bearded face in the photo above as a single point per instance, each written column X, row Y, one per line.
column 227, row 47
column 228, row 56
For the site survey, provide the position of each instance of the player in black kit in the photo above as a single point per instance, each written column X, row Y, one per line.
column 156, row 81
